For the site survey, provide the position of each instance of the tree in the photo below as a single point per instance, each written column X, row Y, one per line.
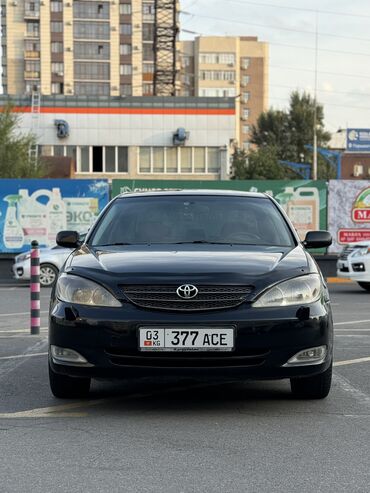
column 260, row 164
column 14, row 148
column 289, row 131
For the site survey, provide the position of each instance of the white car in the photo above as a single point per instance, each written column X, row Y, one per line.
column 354, row 263
column 51, row 261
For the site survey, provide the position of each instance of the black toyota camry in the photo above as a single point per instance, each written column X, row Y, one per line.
column 192, row 283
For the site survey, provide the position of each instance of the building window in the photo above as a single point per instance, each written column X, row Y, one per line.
column 213, row 160
column 56, row 6
column 228, row 75
column 92, row 71
column 214, row 58
column 84, row 159
column 245, row 80
column 57, row 68
column 125, row 69
column 148, row 68
column 171, row 159
column 214, row 92
column 245, row 62
column 245, row 97
column 90, row 10
column 125, row 29
column 91, row 30
column 125, row 49
column 144, row 159
column 148, row 32
column 186, row 159
column 110, row 159
column 358, row 170
column 122, row 159
column 148, row 12
column 245, row 113
column 32, row 28
column 57, row 88
column 56, row 27
column 148, row 52
column 158, row 160
column 32, row 67
column 147, row 89
column 199, row 160
column 57, row 47
column 185, row 61
column 125, row 9
column 246, row 129
column 91, row 51
column 92, row 89
column 58, row 151
column 126, row 90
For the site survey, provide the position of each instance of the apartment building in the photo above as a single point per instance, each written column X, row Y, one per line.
column 80, row 47
column 219, row 66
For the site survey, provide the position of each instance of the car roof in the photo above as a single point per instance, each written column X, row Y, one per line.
column 210, row 192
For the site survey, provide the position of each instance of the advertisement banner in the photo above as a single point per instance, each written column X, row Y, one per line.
column 38, row 209
column 349, row 212
column 305, row 201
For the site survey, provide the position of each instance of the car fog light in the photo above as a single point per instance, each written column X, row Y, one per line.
column 67, row 356
column 311, row 356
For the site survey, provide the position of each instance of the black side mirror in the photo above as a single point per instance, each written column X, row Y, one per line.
column 68, row 239
column 317, row 239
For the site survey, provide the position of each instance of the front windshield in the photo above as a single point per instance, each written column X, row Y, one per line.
column 192, row 219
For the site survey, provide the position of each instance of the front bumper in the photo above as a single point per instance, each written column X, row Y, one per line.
column 356, row 268
column 264, row 341
column 22, row 270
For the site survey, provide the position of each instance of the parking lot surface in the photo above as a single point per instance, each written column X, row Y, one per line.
column 181, row 435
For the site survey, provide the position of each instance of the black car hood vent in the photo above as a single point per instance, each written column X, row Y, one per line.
column 166, row 297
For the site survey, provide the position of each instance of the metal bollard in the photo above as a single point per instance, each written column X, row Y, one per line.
column 35, row 288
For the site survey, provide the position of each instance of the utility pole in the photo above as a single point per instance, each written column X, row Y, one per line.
column 314, row 164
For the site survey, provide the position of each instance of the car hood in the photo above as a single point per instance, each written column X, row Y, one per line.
column 189, row 263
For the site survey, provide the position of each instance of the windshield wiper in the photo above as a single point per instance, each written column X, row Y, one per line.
column 205, row 242
column 111, row 244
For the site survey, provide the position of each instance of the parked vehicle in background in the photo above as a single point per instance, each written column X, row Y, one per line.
column 354, row 263
column 51, row 261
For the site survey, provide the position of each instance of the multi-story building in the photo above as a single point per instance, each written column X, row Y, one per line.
column 219, row 66
column 80, row 47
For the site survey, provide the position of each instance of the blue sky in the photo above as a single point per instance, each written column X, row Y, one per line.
column 343, row 61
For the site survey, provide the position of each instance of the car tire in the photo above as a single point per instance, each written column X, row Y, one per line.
column 316, row 387
column 65, row 387
column 364, row 285
column 48, row 275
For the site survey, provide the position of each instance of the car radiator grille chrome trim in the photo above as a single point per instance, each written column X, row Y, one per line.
column 164, row 297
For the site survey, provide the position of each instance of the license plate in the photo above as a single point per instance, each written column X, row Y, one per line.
column 186, row 339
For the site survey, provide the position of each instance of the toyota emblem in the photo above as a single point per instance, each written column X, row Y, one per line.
column 187, row 291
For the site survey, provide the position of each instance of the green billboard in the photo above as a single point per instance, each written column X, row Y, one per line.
column 305, row 201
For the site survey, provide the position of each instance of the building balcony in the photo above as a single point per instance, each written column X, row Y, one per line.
column 31, row 54
column 31, row 74
column 31, row 14
column 33, row 35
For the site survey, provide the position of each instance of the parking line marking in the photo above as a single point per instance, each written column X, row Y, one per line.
column 17, row 356
column 10, row 365
column 351, row 361
column 19, row 313
column 351, row 330
column 356, row 393
column 352, row 322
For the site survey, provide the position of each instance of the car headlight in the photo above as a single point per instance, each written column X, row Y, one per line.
column 361, row 251
column 296, row 291
column 75, row 289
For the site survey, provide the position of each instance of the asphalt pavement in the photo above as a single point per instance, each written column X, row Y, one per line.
column 183, row 436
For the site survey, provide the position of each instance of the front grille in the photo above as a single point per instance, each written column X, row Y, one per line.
column 345, row 252
column 120, row 357
column 164, row 297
